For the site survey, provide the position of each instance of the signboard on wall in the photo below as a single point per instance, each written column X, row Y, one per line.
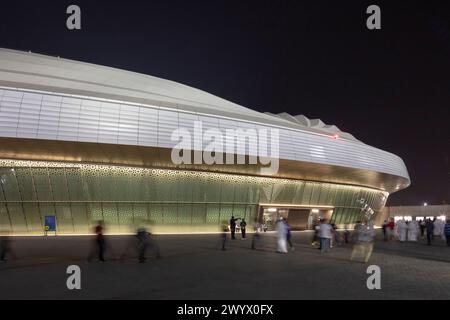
column 50, row 223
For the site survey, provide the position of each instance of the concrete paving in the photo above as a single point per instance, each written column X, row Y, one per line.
column 193, row 267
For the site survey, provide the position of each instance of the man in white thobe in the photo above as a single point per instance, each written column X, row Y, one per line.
column 282, row 236
column 412, row 231
column 438, row 228
column 402, row 230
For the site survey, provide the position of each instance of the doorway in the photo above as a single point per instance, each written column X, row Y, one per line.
column 299, row 218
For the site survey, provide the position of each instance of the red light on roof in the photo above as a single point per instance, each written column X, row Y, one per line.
column 336, row 136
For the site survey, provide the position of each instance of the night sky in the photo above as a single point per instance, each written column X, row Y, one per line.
column 390, row 87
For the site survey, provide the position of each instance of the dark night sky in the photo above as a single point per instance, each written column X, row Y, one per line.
column 390, row 87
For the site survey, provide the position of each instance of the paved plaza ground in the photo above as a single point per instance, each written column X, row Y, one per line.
column 193, row 267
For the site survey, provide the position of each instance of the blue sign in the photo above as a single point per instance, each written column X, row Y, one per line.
column 50, row 223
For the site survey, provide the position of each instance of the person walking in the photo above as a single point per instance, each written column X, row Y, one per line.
column 363, row 241
column 391, row 229
column 281, row 234
column 143, row 243
column 100, row 244
column 224, row 234
column 447, row 232
column 243, row 225
column 422, row 228
column 402, row 228
column 233, row 227
column 315, row 239
column 384, row 227
column 429, row 226
column 325, row 235
column 256, row 240
column 412, row 231
column 438, row 227
column 288, row 234
column 5, row 248
column 346, row 234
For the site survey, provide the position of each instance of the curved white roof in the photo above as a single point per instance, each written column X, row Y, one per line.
column 75, row 77
column 50, row 98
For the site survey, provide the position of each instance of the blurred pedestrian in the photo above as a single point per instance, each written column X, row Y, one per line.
column 233, row 227
column 288, row 234
column 422, row 226
column 256, row 240
column 391, row 229
column 412, row 231
column 429, row 226
column 224, row 232
column 363, row 241
column 438, row 227
column 346, row 234
column 5, row 248
column 145, row 243
column 100, row 243
column 243, row 225
column 402, row 229
column 315, row 239
column 384, row 227
column 325, row 234
column 281, row 234
column 447, row 232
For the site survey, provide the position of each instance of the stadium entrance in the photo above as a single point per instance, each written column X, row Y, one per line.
column 299, row 217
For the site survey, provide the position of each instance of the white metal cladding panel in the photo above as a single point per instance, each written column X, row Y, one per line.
column 69, row 118
column 250, row 130
column 167, row 124
column 42, row 116
column 108, row 126
column 30, row 109
column 49, row 117
column 286, row 151
column 89, row 121
column 9, row 113
column 224, row 125
column 188, row 122
column 128, row 125
column 148, row 127
column 264, row 136
column 207, row 123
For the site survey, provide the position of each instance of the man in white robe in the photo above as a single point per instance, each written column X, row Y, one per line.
column 282, row 236
column 438, row 228
column 412, row 231
column 402, row 230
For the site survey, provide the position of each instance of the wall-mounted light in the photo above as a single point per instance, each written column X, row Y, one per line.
column 272, row 209
column 315, row 210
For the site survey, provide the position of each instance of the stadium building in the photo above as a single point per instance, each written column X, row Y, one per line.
column 82, row 143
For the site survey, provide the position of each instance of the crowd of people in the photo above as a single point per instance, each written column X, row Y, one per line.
column 326, row 235
column 416, row 230
column 324, row 238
